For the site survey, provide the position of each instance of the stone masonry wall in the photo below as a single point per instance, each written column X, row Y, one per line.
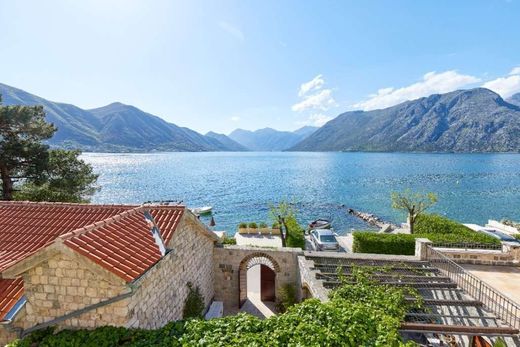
column 227, row 261
column 162, row 291
column 64, row 284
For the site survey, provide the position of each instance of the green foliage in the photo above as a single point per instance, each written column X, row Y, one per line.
column 242, row 225
column 370, row 242
column 517, row 236
column 276, row 225
column 29, row 170
column 436, row 228
column 22, row 151
column 262, row 225
column 194, row 304
column 295, row 234
column 441, row 229
column 360, row 314
column 286, row 297
column 65, row 179
column 414, row 204
column 226, row 240
column 253, row 225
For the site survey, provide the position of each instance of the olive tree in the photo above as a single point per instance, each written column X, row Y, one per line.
column 412, row 203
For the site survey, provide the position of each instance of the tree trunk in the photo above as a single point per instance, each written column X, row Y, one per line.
column 411, row 222
column 281, row 223
column 7, row 184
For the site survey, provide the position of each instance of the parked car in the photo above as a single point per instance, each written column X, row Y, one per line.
column 324, row 240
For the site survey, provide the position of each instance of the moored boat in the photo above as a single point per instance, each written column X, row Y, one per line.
column 202, row 210
column 320, row 223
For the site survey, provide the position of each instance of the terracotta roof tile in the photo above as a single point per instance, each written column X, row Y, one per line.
column 117, row 237
column 11, row 290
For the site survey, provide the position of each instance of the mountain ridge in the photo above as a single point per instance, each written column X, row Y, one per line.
column 115, row 127
column 269, row 139
column 473, row 120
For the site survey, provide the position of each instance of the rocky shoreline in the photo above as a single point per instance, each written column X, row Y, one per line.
column 372, row 219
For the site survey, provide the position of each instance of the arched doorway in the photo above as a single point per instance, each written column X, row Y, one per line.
column 262, row 269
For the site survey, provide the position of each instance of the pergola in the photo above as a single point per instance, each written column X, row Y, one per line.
column 450, row 311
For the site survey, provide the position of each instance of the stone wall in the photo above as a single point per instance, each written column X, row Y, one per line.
column 508, row 256
column 59, row 281
column 65, row 283
column 230, row 275
column 162, row 290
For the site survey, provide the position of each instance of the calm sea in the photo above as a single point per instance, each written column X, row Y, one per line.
column 240, row 186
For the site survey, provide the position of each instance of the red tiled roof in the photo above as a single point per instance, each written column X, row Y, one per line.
column 126, row 246
column 116, row 237
column 27, row 227
column 11, row 290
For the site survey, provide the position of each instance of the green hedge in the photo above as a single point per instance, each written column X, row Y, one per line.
column 436, row 228
column 371, row 242
column 361, row 314
column 295, row 236
column 441, row 229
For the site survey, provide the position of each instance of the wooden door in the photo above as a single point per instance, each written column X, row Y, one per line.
column 267, row 279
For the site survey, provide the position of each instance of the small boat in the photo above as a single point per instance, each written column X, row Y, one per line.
column 198, row 211
column 320, row 224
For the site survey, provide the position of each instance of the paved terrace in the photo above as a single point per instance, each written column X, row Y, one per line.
column 506, row 279
column 450, row 310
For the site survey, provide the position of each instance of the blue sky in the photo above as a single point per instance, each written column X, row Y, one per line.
column 219, row 65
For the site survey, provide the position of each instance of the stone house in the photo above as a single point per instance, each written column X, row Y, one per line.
column 82, row 265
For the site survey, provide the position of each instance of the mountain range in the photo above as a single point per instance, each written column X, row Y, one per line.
column 268, row 139
column 474, row 120
column 116, row 128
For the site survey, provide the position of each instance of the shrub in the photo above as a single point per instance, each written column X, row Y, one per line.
column 436, row 228
column 441, row 229
column 253, row 225
column 262, row 225
column 226, row 240
column 194, row 304
column 360, row 314
column 286, row 297
column 517, row 236
column 276, row 225
column 295, row 236
column 370, row 242
column 242, row 225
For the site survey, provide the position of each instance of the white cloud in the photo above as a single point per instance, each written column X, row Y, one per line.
column 315, row 84
column 505, row 86
column 232, row 30
column 515, row 71
column 317, row 119
column 322, row 100
column 432, row 83
column 235, row 118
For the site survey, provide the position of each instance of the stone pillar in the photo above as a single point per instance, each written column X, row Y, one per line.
column 515, row 252
column 420, row 248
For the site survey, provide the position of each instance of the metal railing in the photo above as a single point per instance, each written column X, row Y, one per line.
column 504, row 308
column 466, row 246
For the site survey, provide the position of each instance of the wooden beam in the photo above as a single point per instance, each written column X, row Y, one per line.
column 447, row 302
column 458, row 329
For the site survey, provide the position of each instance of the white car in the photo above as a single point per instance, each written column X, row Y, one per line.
column 324, row 240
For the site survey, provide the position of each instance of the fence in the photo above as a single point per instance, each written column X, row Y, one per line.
column 468, row 246
column 504, row 308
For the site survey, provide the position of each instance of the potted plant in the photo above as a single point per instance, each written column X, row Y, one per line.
column 275, row 229
column 263, row 228
column 242, row 228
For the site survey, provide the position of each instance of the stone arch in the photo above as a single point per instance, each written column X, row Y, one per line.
column 257, row 258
